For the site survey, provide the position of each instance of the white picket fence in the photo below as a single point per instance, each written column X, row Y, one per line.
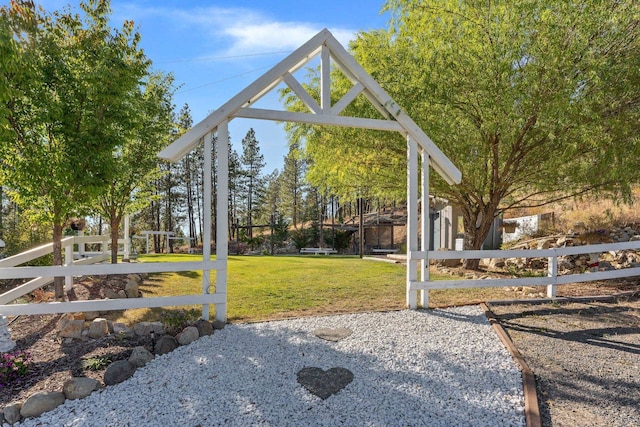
column 551, row 280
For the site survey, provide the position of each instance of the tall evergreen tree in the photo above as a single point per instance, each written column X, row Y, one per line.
column 252, row 162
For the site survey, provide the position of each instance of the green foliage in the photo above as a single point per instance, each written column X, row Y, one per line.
column 339, row 240
column 176, row 320
column 14, row 366
column 96, row 363
column 305, row 237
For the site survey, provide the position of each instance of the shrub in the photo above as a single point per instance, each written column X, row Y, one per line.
column 14, row 366
column 175, row 321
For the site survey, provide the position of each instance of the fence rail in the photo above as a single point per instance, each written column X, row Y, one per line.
column 88, row 264
column 551, row 280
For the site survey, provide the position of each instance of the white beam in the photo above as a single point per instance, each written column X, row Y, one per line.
column 325, row 80
column 222, row 220
column 426, row 232
column 206, row 214
column 302, row 93
column 347, row 99
column 412, row 220
column 317, row 119
column 183, row 145
column 108, row 304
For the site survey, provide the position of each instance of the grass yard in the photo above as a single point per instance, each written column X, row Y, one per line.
column 267, row 287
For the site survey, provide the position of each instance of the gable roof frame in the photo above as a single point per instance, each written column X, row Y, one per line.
column 322, row 113
column 325, row 44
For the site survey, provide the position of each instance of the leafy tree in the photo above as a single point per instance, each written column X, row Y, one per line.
column 70, row 105
column 534, row 101
column 136, row 164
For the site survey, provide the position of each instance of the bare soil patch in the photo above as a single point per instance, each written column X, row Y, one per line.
column 585, row 356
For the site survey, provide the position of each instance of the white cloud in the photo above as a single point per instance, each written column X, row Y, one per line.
column 235, row 31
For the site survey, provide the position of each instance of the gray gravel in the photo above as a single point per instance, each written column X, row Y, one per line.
column 586, row 359
column 410, row 368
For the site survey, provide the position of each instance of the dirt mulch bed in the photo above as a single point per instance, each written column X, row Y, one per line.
column 585, row 355
column 55, row 361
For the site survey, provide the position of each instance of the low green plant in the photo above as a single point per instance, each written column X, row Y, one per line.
column 176, row 320
column 13, row 366
column 96, row 363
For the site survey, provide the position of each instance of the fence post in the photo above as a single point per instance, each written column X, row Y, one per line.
column 68, row 260
column 412, row 221
column 552, row 272
column 426, row 234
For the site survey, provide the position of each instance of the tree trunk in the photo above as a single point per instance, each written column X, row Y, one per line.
column 114, row 224
column 58, row 282
column 477, row 223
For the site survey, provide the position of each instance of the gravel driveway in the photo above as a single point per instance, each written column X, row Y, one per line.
column 585, row 357
column 403, row 368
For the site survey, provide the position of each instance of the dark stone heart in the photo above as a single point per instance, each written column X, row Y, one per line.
column 324, row 383
column 332, row 334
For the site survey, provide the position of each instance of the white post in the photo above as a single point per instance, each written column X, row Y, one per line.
column 80, row 245
column 206, row 214
column 424, row 264
column 325, row 80
column 552, row 271
column 412, row 220
column 127, row 221
column 147, row 243
column 222, row 220
column 68, row 260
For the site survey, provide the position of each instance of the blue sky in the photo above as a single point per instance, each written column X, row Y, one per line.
column 217, row 48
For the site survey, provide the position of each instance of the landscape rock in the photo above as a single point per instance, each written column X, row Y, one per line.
column 111, row 294
column 72, row 329
column 134, row 277
column 188, row 335
column 145, row 328
column 98, row 328
column 12, row 413
column 166, row 344
column 41, row 402
column 118, row 371
column 122, row 330
column 122, row 294
column 218, row 324
column 80, row 387
column 140, row 356
column 131, row 289
column 204, row 327
column 91, row 315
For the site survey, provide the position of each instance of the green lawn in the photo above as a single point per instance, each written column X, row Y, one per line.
column 267, row 287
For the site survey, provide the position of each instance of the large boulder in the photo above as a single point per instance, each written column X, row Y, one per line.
column 140, row 356
column 188, row 335
column 166, row 344
column 11, row 413
column 145, row 328
column 98, row 328
column 204, row 327
column 118, row 371
column 41, row 402
column 80, row 387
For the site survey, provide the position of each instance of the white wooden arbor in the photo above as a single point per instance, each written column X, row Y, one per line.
column 326, row 113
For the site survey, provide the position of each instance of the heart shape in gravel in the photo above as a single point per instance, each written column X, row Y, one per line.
column 324, row 383
column 332, row 334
